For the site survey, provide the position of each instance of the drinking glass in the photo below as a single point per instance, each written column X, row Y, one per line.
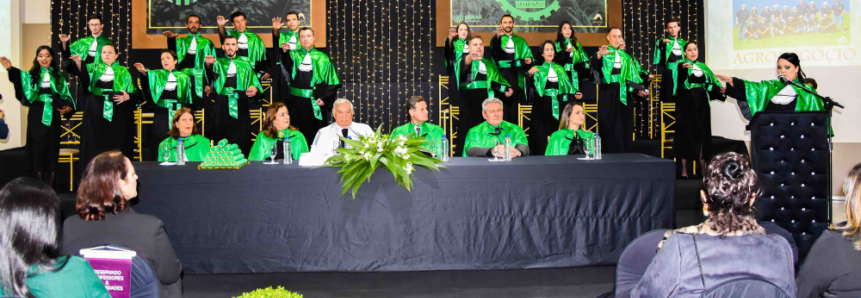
column 272, row 154
column 166, row 152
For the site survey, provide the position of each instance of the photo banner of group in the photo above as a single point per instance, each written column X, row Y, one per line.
column 761, row 24
column 589, row 16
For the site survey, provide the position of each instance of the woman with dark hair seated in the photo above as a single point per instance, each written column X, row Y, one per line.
column 728, row 246
column 277, row 129
column 833, row 265
column 184, row 130
column 105, row 218
column 30, row 264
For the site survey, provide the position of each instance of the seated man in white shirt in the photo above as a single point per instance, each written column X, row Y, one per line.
column 327, row 139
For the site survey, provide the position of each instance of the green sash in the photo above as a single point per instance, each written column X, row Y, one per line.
column 458, row 45
column 565, row 88
column 245, row 78
column 578, row 57
column 81, row 47
column 668, row 48
column 256, row 48
column 630, row 71
column 493, row 76
column 521, row 51
column 711, row 80
column 58, row 87
column 108, row 108
column 122, row 82
column 308, row 93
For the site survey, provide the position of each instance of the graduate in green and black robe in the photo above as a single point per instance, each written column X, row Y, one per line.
column 616, row 98
column 513, row 58
column 668, row 49
column 571, row 56
column 314, row 84
column 475, row 79
column 276, row 130
column 168, row 90
column 284, row 40
column 418, row 125
column 250, row 46
column 184, row 130
column 43, row 89
column 548, row 88
column 571, row 138
column 489, row 136
column 110, row 99
column 695, row 85
column 234, row 85
column 456, row 46
column 88, row 48
column 191, row 52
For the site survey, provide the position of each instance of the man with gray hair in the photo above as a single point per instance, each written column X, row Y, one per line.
column 489, row 137
column 328, row 138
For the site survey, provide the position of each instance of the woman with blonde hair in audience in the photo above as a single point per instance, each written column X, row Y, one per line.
column 30, row 263
column 833, row 265
column 105, row 217
column 728, row 246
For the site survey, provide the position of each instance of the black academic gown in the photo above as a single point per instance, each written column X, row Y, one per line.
column 615, row 119
column 666, row 74
column 161, row 117
column 43, row 142
column 693, row 115
column 543, row 123
column 470, row 102
column 97, row 133
column 220, row 125
column 510, row 111
column 302, row 113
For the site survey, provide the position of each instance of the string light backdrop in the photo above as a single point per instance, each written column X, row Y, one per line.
column 382, row 50
column 70, row 17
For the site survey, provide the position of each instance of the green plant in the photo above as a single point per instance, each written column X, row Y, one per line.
column 269, row 292
column 399, row 155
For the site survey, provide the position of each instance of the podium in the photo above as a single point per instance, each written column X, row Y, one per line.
column 791, row 157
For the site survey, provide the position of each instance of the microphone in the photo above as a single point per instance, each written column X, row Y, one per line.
column 782, row 78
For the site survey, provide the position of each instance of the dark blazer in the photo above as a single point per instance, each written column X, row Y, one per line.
column 832, row 268
column 142, row 233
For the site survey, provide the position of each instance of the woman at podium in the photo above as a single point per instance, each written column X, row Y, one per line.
column 774, row 95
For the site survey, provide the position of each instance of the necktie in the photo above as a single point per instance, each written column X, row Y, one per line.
column 344, row 133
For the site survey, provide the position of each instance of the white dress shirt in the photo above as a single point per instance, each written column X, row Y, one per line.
column 326, row 137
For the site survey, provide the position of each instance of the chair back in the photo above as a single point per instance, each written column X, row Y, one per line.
column 635, row 259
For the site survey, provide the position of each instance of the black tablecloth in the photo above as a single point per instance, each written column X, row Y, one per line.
column 532, row 212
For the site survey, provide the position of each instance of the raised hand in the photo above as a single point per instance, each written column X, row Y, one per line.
column 622, row 46
column 451, row 33
column 533, row 70
column 686, row 65
column 499, row 32
column 221, row 20
column 285, row 47
column 64, row 38
column 76, row 58
column 251, row 92
column 209, row 60
column 665, row 41
column 571, row 49
column 276, row 23
column 509, row 93
column 603, row 51
column 7, row 64
column 169, row 34
column 140, row 68
column 528, row 60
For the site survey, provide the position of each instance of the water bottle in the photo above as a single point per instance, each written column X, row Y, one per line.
column 597, row 146
column 288, row 152
column 180, row 152
column 444, row 149
column 507, row 154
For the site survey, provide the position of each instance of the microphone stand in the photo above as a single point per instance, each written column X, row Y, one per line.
column 829, row 107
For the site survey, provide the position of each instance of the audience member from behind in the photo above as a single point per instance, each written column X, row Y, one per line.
column 105, row 218
column 30, row 265
column 833, row 265
column 729, row 245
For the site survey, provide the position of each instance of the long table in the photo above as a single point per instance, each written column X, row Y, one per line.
column 532, row 212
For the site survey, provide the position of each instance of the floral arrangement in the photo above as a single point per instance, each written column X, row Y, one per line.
column 399, row 155
column 269, row 292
